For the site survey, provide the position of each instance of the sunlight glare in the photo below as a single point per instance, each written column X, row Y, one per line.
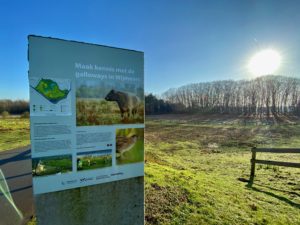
column 264, row 62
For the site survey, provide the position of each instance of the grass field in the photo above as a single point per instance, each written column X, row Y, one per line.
column 14, row 133
column 196, row 168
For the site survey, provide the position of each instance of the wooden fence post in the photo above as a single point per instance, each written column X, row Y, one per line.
column 270, row 162
column 253, row 163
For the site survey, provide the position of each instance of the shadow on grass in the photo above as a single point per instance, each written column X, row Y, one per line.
column 279, row 190
column 281, row 198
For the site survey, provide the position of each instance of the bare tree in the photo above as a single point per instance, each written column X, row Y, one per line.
column 260, row 96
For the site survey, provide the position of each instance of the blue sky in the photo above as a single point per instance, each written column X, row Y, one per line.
column 184, row 41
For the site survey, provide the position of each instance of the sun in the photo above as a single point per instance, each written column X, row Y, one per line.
column 264, row 62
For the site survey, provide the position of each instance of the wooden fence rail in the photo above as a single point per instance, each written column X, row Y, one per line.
column 268, row 162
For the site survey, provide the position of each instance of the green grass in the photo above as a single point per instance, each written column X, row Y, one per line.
column 193, row 172
column 32, row 221
column 14, row 133
column 195, row 169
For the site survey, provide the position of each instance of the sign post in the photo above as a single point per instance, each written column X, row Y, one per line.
column 87, row 132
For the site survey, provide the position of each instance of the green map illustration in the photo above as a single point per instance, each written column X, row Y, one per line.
column 51, row 91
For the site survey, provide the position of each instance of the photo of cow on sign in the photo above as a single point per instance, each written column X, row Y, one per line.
column 127, row 103
column 107, row 103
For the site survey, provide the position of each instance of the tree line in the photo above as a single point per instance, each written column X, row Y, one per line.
column 156, row 105
column 16, row 107
column 263, row 95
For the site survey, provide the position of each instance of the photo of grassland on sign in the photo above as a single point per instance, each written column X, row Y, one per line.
column 129, row 145
column 94, row 160
column 108, row 102
column 51, row 165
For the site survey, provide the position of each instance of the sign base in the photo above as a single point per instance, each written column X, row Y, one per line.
column 115, row 203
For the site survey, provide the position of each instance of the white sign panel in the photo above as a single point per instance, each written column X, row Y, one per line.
column 86, row 113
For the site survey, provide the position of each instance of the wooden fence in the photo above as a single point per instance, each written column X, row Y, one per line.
column 268, row 162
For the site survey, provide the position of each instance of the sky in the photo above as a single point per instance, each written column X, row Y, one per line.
column 183, row 41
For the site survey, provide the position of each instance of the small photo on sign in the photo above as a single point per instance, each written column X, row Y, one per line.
column 105, row 102
column 94, row 160
column 51, row 165
column 129, row 145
